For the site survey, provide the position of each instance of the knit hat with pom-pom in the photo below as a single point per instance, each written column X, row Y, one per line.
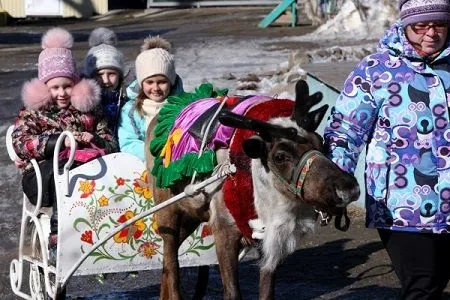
column 417, row 11
column 56, row 60
column 103, row 53
column 155, row 59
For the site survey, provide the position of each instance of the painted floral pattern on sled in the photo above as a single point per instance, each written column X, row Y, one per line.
column 100, row 204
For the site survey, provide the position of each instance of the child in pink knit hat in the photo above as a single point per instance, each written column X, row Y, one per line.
column 54, row 102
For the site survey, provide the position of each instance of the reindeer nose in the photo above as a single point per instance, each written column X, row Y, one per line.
column 347, row 191
column 347, row 196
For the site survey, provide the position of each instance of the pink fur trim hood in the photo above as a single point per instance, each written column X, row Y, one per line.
column 35, row 94
column 86, row 95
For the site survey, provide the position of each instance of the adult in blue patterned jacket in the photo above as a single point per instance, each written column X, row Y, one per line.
column 396, row 101
column 105, row 63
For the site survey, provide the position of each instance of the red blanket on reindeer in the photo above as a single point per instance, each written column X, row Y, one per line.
column 181, row 132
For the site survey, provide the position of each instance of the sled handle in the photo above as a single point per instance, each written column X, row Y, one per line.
column 66, row 168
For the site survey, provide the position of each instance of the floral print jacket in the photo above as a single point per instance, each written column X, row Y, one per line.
column 395, row 103
column 37, row 128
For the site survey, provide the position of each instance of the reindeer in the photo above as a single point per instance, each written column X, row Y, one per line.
column 290, row 178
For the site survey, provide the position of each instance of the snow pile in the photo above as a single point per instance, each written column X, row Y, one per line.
column 338, row 53
column 251, row 67
column 227, row 63
column 346, row 37
column 348, row 25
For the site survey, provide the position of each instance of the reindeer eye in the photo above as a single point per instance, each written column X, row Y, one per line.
column 279, row 157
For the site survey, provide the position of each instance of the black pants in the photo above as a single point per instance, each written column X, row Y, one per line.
column 29, row 186
column 421, row 262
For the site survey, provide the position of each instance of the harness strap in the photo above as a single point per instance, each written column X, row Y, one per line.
column 338, row 221
column 295, row 186
column 302, row 168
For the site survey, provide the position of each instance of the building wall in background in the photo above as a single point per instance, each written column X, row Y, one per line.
column 84, row 8
column 200, row 3
column 15, row 8
column 71, row 8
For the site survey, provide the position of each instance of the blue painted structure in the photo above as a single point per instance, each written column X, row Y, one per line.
column 278, row 11
column 330, row 95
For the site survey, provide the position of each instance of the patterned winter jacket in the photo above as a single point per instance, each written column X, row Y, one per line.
column 132, row 127
column 39, row 123
column 396, row 103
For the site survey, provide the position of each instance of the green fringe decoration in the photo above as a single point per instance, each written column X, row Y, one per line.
column 189, row 163
column 183, row 167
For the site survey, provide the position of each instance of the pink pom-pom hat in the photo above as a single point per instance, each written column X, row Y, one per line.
column 56, row 59
column 86, row 95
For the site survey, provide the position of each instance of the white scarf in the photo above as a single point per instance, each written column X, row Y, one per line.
column 151, row 109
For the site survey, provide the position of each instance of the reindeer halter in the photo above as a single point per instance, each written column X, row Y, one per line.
column 295, row 186
column 295, row 183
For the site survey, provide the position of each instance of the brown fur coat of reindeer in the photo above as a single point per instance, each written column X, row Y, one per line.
column 279, row 150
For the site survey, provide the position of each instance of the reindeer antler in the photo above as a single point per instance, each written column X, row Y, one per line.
column 305, row 100
column 266, row 130
column 303, row 103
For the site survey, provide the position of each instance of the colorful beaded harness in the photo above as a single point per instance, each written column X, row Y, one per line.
column 298, row 175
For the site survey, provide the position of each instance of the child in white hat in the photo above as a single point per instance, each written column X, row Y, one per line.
column 156, row 79
column 105, row 63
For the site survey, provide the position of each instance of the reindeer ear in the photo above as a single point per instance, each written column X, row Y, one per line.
column 315, row 117
column 255, row 147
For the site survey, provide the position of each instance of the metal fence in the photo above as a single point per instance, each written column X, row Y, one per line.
column 199, row 3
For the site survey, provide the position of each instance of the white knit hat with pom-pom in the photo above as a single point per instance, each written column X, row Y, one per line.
column 155, row 59
column 56, row 60
column 103, row 53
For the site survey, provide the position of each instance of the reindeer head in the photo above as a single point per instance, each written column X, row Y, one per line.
column 291, row 152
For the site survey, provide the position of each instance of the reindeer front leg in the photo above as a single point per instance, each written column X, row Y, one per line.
column 168, row 220
column 266, row 285
column 170, row 283
column 227, row 248
column 227, row 238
